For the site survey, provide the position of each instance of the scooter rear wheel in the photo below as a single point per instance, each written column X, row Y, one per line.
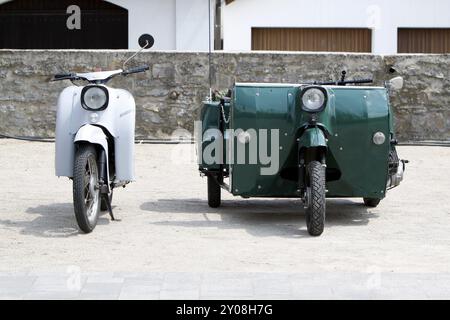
column 315, row 198
column 214, row 193
column 371, row 202
column 86, row 191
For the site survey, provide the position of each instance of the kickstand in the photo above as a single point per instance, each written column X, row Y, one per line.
column 108, row 205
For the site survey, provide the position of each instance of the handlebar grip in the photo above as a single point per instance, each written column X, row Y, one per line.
column 364, row 81
column 62, row 76
column 225, row 100
column 343, row 83
column 359, row 81
column 136, row 70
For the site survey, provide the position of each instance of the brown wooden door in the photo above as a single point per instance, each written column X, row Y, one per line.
column 41, row 24
column 423, row 40
column 312, row 39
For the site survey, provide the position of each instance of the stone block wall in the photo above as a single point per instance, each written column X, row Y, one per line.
column 169, row 95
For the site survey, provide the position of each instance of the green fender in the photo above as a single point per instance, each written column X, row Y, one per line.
column 313, row 137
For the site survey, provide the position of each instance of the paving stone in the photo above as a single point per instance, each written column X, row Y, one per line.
column 51, row 295
column 101, row 291
column 182, row 294
column 227, row 289
column 140, row 292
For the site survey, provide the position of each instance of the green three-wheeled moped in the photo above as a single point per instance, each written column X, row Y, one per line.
column 306, row 141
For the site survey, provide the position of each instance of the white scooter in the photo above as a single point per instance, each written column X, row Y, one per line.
column 95, row 139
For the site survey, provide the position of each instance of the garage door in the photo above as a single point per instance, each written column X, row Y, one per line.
column 312, row 39
column 423, row 40
column 46, row 24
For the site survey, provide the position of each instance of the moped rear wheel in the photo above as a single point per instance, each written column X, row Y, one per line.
column 86, row 191
column 214, row 193
column 371, row 202
column 315, row 198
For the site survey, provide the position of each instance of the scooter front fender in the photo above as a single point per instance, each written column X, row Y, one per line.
column 313, row 138
column 312, row 145
column 94, row 135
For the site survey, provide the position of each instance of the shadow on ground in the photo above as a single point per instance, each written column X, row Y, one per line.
column 55, row 220
column 260, row 217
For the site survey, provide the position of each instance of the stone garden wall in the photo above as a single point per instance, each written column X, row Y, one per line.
column 169, row 95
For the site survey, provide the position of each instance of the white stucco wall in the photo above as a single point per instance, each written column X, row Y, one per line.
column 156, row 17
column 382, row 16
column 175, row 24
column 192, row 24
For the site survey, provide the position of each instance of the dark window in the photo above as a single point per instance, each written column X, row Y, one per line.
column 312, row 39
column 42, row 24
column 411, row 40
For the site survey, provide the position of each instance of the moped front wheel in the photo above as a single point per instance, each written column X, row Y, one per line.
column 86, row 191
column 315, row 198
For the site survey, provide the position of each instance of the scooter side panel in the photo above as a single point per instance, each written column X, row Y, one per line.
column 123, row 106
column 210, row 127
column 64, row 148
column 271, row 112
column 213, row 137
column 363, row 165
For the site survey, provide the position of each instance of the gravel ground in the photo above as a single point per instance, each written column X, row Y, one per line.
column 167, row 226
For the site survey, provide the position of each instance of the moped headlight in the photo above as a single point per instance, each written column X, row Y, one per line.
column 314, row 99
column 94, row 98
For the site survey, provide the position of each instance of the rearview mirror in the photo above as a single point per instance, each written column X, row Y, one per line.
column 146, row 41
column 396, row 83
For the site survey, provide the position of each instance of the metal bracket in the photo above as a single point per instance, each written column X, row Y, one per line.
column 108, row 205
column 223, row 114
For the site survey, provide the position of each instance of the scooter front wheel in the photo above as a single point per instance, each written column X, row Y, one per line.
column 315, row 198
column 86, row 191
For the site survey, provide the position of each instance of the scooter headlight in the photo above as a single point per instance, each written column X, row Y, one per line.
column 314, row 99
column 94, row 98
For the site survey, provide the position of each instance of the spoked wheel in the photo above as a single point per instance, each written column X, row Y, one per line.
column 214, row 192
column 372, row 202
column 86, row 191
column 315, row 198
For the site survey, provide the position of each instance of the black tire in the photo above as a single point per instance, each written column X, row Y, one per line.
column 103, row 206
column 372, row 202
column 214, row 193
column 315, row 211
column 86, row 159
